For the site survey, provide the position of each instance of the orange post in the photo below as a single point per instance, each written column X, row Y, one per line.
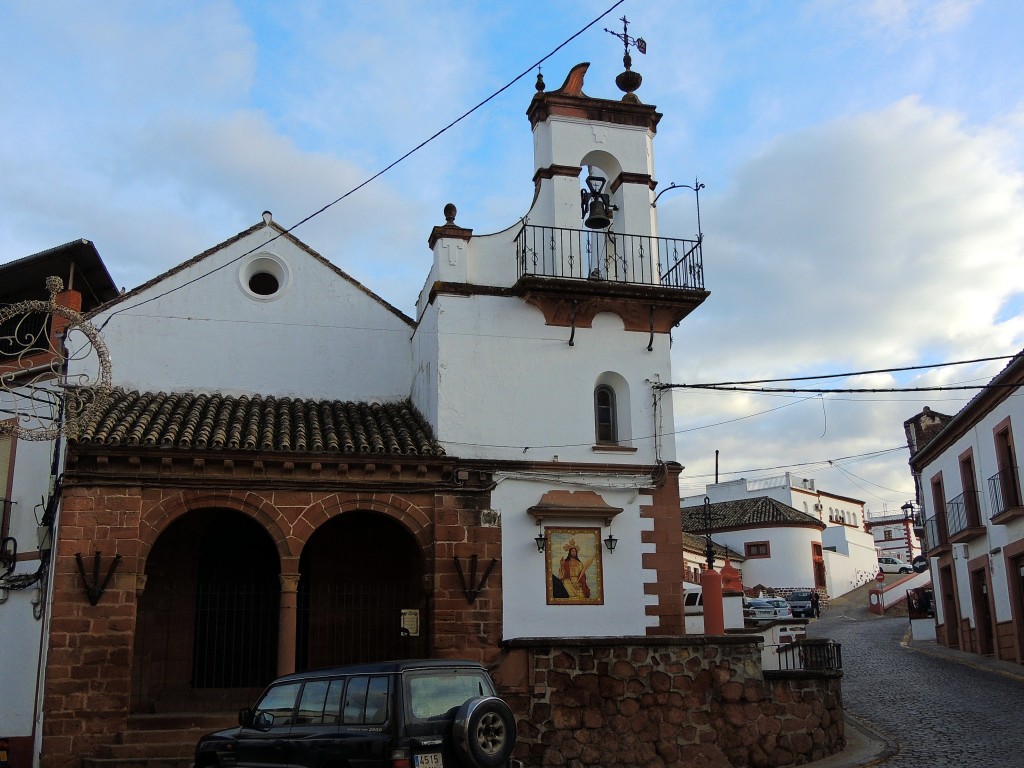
column 714, row 611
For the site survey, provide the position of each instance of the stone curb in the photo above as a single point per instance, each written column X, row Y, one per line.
column 865, row 746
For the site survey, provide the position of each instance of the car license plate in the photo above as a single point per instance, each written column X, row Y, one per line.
column 428, row 760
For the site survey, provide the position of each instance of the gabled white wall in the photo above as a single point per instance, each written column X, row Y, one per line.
column 321, row 337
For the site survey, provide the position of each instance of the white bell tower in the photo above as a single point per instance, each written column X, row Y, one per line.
column 576, row 137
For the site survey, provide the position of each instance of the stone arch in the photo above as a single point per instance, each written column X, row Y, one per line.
column 170, row 508
column 363, row 566
column 607, row 162
column 396, row 507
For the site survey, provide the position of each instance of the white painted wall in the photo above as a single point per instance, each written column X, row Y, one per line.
column 790, row 563
column 511, row 387
column 21, row 611
column 525, row 571
column 321, row 336
column 844, row 574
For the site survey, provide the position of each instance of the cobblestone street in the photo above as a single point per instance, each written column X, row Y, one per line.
column 936, row 710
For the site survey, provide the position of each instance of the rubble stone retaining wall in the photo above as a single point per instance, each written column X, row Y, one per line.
column 695, row 701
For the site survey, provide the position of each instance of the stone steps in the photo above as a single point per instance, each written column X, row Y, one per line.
column 158, row 741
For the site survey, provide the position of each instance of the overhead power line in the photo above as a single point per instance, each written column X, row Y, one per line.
column 854, row 390
column 744, row 386
column 381, row 172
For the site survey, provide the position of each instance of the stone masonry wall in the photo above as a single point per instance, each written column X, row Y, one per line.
column 693, row 701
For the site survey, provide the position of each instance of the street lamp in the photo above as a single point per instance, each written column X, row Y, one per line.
column 908, row 520
column 709, row 547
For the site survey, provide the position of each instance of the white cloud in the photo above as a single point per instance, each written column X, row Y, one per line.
column 899, row 19
column 884, row 239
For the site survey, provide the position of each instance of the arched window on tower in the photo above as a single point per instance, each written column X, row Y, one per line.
column 605, row 419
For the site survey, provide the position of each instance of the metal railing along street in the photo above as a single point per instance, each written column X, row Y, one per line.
column 811, row 655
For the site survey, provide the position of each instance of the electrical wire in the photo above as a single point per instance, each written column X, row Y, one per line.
column 849, row 391
column 379, row 173
column 837, row 375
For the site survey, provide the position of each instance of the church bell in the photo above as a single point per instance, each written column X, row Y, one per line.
column 597, row 207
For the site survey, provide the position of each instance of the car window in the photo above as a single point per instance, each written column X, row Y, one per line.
column 437, row 694
column 279, row 702
column 332, row 706
column 312, row 703
column 366, row 700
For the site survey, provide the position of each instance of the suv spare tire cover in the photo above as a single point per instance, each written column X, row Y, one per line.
column 484, row 732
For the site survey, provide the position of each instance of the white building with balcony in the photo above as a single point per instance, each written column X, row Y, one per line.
column 968, row 483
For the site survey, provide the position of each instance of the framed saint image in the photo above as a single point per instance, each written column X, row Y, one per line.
column 573, row 561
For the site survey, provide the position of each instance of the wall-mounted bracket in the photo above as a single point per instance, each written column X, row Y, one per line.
column 93, row 588
column 472, row 588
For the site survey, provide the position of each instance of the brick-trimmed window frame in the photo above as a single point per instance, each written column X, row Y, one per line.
column 757, row 549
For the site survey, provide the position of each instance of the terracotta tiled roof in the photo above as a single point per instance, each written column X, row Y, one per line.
column 760, row 511
column 254, row 423
column 695, row 543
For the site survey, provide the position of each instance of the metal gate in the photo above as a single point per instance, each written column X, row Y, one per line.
column 210, row 649
column 356, row 622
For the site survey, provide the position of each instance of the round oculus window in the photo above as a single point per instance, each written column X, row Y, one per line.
column 264, row 277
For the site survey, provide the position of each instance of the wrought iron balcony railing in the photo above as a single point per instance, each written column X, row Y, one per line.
column 1004, row 490
column 600, row 255
column 933, row 533
column 962, row 513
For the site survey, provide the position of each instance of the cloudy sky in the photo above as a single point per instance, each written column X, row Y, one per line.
column 862, row 160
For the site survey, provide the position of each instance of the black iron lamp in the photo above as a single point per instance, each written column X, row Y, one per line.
column 596, row 205
column 540, row 541
column 611, row 542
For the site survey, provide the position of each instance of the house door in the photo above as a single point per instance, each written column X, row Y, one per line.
column 361, row 596
column 950, row 611
column 982, row 612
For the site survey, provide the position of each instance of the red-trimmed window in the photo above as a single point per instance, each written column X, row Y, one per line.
column 754, row 549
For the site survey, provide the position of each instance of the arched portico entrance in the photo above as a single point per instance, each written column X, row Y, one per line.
column 207, row 629
column 361, row 595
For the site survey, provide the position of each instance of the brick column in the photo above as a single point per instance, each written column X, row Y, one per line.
column 667, row 559
column 287, row 622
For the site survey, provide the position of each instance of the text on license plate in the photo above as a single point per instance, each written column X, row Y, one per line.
column 428, row 760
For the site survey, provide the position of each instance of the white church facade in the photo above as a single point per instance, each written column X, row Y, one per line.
column 287, row 472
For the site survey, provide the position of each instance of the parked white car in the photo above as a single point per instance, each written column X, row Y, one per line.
column 893, row 565
column 766, row 609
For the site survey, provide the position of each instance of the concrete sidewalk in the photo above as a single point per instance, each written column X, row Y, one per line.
column 930, row 647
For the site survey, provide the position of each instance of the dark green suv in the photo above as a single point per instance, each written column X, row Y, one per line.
column 428, row 713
